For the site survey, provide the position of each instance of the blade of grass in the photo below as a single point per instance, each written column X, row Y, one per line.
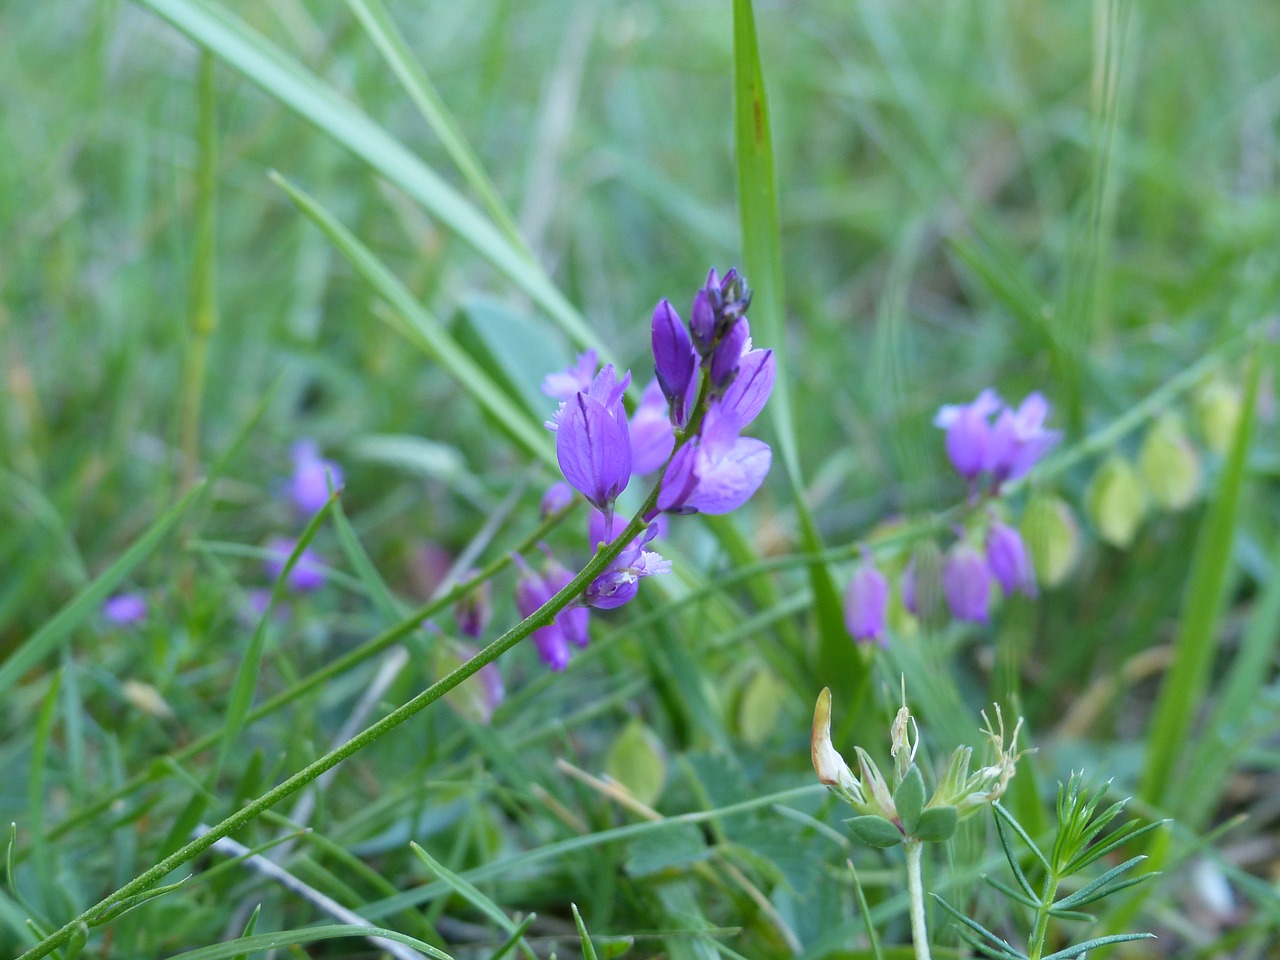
column 386, row 36
column 273, row 941
column 762, row 259
column 471, row 894
column 426, row 331
column 239, row 46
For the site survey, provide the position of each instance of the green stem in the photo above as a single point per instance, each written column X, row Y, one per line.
column 915, row 893
column 1040, row 930
column 539, row 618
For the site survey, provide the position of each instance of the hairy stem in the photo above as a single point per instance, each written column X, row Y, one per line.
column 915, row 892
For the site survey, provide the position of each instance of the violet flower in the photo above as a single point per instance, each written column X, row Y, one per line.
column 717, row 471
column 620, row 582
column 563, row 384
column 968, row 429
column 592, row 442
column 716, row 308
column 125, row 609
column 312, row 477
column 750, row 389
column 474, row 609
column 1018, row 440
column 866, row 603
column 1009, row 560
column 652, row 436
column 558, row 497
column 727, row 355
column 307, row 574
column 674, row 362
column 574, row 620
column 532, row 591
column 966, row 583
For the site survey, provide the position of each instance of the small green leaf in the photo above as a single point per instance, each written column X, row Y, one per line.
column 1082, row 948
column 762, row 700
column 588, row 951
column 874, row 831
column 936, row 824
column 1116, row 502
column 637, row 761
column 908, row 799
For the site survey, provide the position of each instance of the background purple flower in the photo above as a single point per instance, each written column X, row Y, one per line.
column 1009, row 560
column 558, row 496
column 312, row 477
column 472, row 611
column 563, row 384
column 307, row 574
column 866, row 603
column 966, row 583
column 652, row 436
column 1018, row 440
column 968, row 429
column 532, row 591
column 125, row 609
column 574, row 621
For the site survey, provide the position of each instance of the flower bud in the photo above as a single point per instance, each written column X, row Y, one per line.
column 1052, row 536
column 1218, row 406
column 866, row 602
column 966, row 583
column 558, row 497
column 1169, row 464
column 675, row 363
column 1115, row 501
column 125, row 609
column 727, row 354
column 1009, row 560
column 473, row 609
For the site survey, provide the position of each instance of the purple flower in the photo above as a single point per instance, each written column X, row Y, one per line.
column 558, row 497
column 674, row 362
column 1018, row 440
column 563, row 384
column 907, row 585
column 125, row 609
column 574, row 620
column 866, row 603
column 717, row 471
column 1009, row 560
column 716, row 308
column 969, row 432
column 602, row 529
column 592, row 442
column 307, row 574
column 312, row 477
column 473, row 609
column 652, row 436
column 746, row 396
column 966, row 583
column 727, row 354
column 621, row 581
column 532, row 592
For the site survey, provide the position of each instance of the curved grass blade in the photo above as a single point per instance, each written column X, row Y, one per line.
column 472, row 895
column 588, row 951
column 288, row 938
column 426, row 331
column 239, row 46
column 762, row 258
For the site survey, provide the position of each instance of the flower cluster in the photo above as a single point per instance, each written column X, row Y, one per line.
column 709, row 384
column 985, row 437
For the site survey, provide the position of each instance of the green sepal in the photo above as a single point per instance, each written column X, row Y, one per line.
column 874, row 831
column 908, row 799
column 936, row 824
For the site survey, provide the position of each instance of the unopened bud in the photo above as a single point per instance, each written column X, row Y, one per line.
column 1052, row 535
column 1218, row 407
column 1169, row 464
column 1115, row 501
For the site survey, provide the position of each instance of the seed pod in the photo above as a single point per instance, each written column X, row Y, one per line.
column 1169, row 464
column 1052, row 535
column 1218, row 407
column 637, row 761
column 1116, row 502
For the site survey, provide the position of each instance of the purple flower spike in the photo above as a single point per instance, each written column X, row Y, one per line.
column 652, row 436
column 592, row 443
column 558, row 497
column 621, row 582
column 966, row 583
column 312, row 477
column 727, row 355
column 866, row 603
column 1009, row 560
column 969, row 432
column 532, row 591
column 125, row 609
column 674, row 361
column 563, row 384
column 1018, row 440
column 746, row 396
column 307, row 574
column 717, row 472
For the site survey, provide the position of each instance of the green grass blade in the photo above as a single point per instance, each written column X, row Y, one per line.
column 588, row 951
column 386, row 36
column 762, row 260
column 86, row 603
column 1184, row 685
column 427, row 332
column 471, row 894
column 287, row 938
column 239, row 46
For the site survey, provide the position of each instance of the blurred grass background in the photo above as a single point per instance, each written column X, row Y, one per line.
column 1078, row 198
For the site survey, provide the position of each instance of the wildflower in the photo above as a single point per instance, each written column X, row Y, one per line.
column 866, row 602
column 1018, row 440
column 532, row 591
column 307, row 574
column 966, row 583
column 621, row 581
column 563, row 384
column 727, row 354
column 717, row 471
column 716, row 308
column 312, row 478
column 473, row 609
column 1009, row 560
column 968, row 429
column 675, row 363
column 574, row 620
column 592, row 442
column 652, row 436
column 125, row 609
column 558, row 497
column 745, row 397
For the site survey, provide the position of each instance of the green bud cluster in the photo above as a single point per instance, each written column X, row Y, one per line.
column 905, row 812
